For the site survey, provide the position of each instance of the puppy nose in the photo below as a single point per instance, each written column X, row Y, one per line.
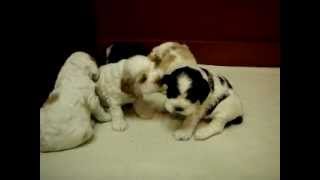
column 178, row 109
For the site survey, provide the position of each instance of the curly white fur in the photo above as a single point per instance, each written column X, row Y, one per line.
column 120, row 83
column 65, row 119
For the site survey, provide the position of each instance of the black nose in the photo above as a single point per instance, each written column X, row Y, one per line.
column 178, row 109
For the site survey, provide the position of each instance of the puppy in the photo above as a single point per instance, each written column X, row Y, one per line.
column 167, row 57
column 120, row 83
column 198, row 94
column 65, row 117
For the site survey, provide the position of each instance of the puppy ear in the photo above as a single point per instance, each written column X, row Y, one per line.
column 199, row 91
column 95, row 77
column 142, row 78
column 204, row 88
column 155, row 59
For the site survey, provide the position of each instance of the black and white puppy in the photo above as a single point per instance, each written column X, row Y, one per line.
column 199, row 94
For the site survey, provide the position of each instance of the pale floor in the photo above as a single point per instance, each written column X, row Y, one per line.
column 147, row 150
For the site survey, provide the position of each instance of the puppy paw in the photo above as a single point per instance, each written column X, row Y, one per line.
column 105, row 118
column 182, row 135
column 206, row 132
column 144, row 110
column 145, row 115
column 119, row 125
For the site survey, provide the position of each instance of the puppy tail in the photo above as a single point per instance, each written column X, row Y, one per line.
column 108, row 52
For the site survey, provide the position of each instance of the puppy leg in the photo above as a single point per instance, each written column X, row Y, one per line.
column 226, row 111
column 143, row 109
column 185, row 132
column 205, row 131
column 118, row 122
column 97, row 110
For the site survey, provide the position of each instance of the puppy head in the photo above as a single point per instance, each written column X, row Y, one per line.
column 136, row 78
column 186, row 90
column 84, row 62
column 165, row 54
column 165, row 57
column 149, row 81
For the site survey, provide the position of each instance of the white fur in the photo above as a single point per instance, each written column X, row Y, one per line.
column 227, row 110
column 109, row 87
column 184, row 83
column 65, row 123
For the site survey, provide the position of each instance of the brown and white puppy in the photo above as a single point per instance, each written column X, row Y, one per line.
column 167, row 57
column 119, row 84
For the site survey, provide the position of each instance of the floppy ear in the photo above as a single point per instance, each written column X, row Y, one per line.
column 204, row 90
column 95, row 77
column 93, row 72
column 199, row 91
column 154, row 58
column 127, row 86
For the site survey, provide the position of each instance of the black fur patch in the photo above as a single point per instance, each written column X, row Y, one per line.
column 171, row 82
column 210, row 79
column 121, row 51
column 198, row 91
column 236, row 121
column 222, row 82
column 206, row 71
column 228, row 83
column 210, row 109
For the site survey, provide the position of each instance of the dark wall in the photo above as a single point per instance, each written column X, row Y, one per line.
column 222, row 32
column 69, row 26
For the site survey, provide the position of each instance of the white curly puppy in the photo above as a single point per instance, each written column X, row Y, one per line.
column 120, row 83
column 65, row 118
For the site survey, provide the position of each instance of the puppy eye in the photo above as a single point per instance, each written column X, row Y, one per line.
column 156, row 60
column 158, row 81
column 143, row 78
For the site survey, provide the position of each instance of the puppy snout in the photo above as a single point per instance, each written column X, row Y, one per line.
column 178, row 109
